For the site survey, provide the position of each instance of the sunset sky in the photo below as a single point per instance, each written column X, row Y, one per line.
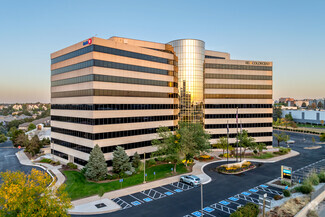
column 289, row 33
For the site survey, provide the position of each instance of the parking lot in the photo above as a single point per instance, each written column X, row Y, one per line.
column 299, row 175
column 229, row 205
column 149, row 195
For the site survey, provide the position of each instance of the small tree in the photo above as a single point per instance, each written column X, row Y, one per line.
column 121, row 161
column 3, row 138
column 29, row 195
column 281, row 137
column 245, row 141
column 96, row 168
column 303, row 105
column 136, row 160
column 222, row 143
column 260, row 147
column 322, row 137
column 313, row 140
column 313, row 106
column 31, row 126
column 320, row 105
column 34, row 146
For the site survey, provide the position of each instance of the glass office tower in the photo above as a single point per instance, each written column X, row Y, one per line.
column 191, row 54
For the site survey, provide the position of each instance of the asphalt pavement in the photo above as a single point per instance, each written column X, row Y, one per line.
column 224, row 186
column 9, row 161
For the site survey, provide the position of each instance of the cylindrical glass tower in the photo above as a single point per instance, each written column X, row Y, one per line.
column 190, row 53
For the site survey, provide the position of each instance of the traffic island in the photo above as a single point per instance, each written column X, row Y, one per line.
column 236, row 168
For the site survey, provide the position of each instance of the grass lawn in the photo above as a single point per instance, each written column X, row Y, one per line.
column 309, row 125
column 78, row 187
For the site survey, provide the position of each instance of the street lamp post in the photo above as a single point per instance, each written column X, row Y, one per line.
column 201, row 199
column 144, row 167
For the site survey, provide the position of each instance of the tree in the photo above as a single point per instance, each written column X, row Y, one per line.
column 3, row 138
column 320, row 105
column 260, row 147
column 277, row 112
column 31, row 126
column 22, row 140
column 313, row 106
column 189, row 140
column 136, row 160
column 245, row 141
column 322, row 137
column 29, row 195
column 13, row 134
column 222, row 143
column 303, row 105
column 34, row 146
column 96, row 168
column 281, row 137
column 313, row 140
column 121, row 161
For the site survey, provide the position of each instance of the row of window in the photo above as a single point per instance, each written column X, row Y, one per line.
column 109, row 50
column 106, row 149
column 217, row 116
column 214, row 57
column 238, row 86
column 114, row 79
column 122, row 93
column 242, row 106
column 105, row 121
column 60, row 154
column 249, row 125
column 238, row 96
column 80, row 161
column 113, row 65
column 237, row 67
column 233, row 135
column 239, row 77
column 106, row 135
column 92, row 107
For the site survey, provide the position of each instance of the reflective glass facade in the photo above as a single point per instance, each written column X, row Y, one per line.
column 191, row 54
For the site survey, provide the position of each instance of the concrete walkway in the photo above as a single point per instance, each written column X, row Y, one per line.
column 58, row 177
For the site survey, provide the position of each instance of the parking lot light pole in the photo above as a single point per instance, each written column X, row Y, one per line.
column 201, row 199
column 265, row 195
column 144, row 168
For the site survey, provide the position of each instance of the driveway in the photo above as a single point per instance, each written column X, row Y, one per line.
column 9, row 161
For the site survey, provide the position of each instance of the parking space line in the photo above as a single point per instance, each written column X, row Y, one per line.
column 249, row 199
column 136, row 198
column 160, row 195
column 223, row 208
column 183, row 185
column 269, row 190
column 167, row 189
column 121, row 202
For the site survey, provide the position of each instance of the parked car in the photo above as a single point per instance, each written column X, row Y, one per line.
column 191, row 180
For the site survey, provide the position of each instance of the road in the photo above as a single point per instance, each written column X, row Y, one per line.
column 223, row 186
column 9, row 161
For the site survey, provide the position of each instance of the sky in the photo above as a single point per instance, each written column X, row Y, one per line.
column 289, row 33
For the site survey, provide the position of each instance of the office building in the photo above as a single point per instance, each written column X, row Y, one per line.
column 119, row 91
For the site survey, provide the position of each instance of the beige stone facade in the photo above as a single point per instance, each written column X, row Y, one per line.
column 118, row 91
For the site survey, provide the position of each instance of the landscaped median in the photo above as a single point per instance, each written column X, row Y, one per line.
column 78, row 186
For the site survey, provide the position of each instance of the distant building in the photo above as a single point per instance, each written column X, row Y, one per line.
column 289, row 101
column 300, row 103
column 45, row 121
column 41, row 132
column 305, row 116
column 17, row 107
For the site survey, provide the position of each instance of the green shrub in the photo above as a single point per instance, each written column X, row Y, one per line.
column 55, row 163
column 249, row 210
column 322, row 137
column 313, row 178
column 72, row 165
column 283, row 150
column 161, row 159
column 46, row 160
column 114, row 176
column 83, row 170
column 321, row 176
column 151, row 162
column 305, row 188
column 286, row 193
column 277, row 197
column 285, row 183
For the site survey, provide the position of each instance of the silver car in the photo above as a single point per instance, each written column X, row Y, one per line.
column 191, row 180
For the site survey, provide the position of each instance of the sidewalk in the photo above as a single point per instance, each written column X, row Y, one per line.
column 59, row 177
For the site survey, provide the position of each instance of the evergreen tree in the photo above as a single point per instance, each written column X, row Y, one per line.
column 96, row 168
column 136, row 160
column 121, row 161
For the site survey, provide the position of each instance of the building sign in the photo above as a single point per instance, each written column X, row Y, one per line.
column 258, row 63
column 87, row 42
column 286, row 172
